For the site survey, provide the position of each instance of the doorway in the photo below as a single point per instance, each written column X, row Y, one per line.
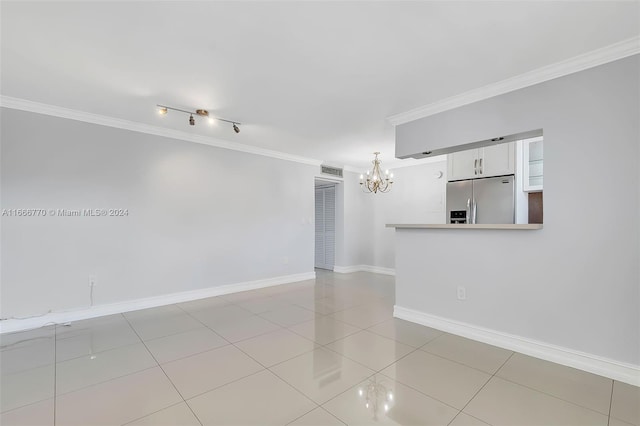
column 325, row 218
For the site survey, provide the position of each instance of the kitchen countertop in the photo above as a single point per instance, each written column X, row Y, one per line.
column 530, row 226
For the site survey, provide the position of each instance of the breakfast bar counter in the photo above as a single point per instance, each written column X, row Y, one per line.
column 530, row 226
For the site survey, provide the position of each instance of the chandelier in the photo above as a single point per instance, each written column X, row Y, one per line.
column 375, row 393
column 375, row 181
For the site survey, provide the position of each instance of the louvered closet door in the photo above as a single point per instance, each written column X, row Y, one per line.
column 329, row 226
column 325, row 227
column 319, row 228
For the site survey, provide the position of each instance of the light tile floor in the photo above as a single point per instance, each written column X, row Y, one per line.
column 320, row 352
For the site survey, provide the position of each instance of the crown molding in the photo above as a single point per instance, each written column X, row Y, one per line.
column 572, row 65
column 102, row 120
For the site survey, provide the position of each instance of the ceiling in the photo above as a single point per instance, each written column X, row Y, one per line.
column 312, row 79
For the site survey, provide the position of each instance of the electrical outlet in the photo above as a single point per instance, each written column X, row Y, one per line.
column 462, row 293
column 93, row 280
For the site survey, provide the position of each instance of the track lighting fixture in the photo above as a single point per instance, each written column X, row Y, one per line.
column 163, row 109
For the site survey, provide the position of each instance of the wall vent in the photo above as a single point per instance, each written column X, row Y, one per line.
column 333, row 171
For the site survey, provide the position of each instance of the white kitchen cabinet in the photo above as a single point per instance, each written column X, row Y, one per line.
column 532, row 163
column 495, row 160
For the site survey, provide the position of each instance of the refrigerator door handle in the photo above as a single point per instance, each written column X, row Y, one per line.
column 474, row 212
column 468, row 210
column 475, row 166
column 481, row 166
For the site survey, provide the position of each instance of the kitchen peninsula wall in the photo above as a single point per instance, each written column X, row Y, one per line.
column 574, row 285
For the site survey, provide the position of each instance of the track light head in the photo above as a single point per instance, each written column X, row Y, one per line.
column 163, row 109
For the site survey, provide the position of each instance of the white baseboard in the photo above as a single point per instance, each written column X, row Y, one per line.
column 346, row 269
column 612, row 369
column 364, row 268
column 13, row 325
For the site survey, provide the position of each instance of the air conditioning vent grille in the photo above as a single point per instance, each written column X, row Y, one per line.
column 333, row 171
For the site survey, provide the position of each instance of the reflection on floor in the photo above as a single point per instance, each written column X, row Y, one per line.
column 323, row 352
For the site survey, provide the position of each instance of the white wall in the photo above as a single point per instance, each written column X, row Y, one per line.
column 417, row 196
column 575, row 283
column 355, row 223
column 199, row 216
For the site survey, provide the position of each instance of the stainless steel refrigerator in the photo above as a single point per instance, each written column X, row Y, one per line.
column 489, row 200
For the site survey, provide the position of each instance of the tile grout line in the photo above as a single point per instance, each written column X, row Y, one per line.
column 164, row 372
column 610, row 402
column 109, row 350
column 296, row 356
column 55, row 373
column 546, row 393
column 328, row 343
column 248, row 316
column 173, row 405
column 264, row 368
column 258, row 362
column 460, row 363
column 155, row 412
column 100, row 352
column 482, row 387
column 507, row 379
column 369, row 329
column 55, row 395
column 394, row 379
column 318, row 407
column 286, row 327
column 324, row 346
column 269, row 368
column 227, row 340
column 366, row 366
column 375, row 372
column 7, row 347
column 106, row 381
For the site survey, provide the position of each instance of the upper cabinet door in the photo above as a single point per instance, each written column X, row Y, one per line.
column 463, row 165
column 497, row 160
column 532, row 165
